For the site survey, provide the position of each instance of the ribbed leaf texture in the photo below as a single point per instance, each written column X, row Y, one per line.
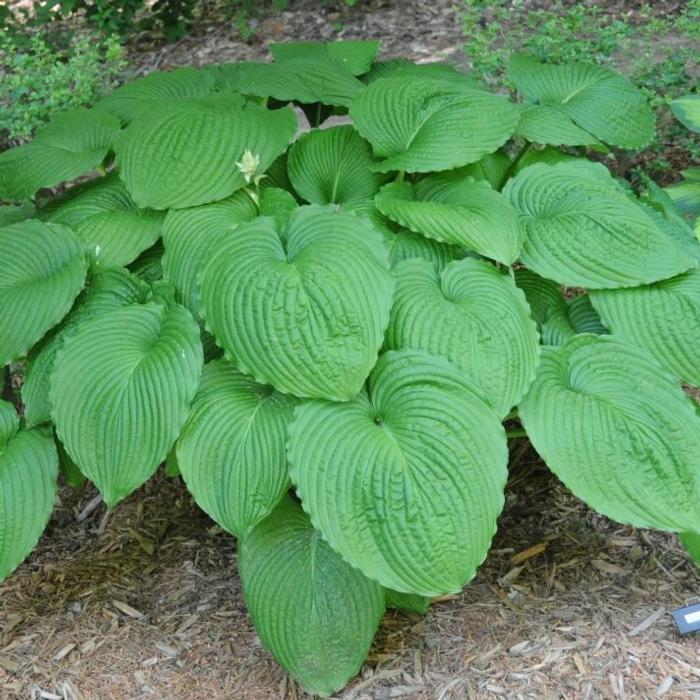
column 315, row 613
column 43, row 270
column 188, row 235
column 11, row 214
column 355, row 56
column 303, row 309
column 545, row 124
column 423, row 124
column 618, row 431
column 120, row 392
column 403, row 243
column 475, row 316
column 129, row 101
column 464, row 212
column 408, row 602
column 406, row 481
column 403, row 68
column 663, row 318
column 184, row 152
column 333, row 166
column 106, row 218
column 304, row 80
column 687, row 110
column 231, row 451
column 28, row 473
column 72, row 144
column 583, row 230
column 105, row 291
column 603, row 103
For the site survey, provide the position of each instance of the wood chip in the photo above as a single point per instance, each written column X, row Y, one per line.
column 127, row 609
column 528, row 553
column 8, row 664
column 63, row 652
column 647, row 622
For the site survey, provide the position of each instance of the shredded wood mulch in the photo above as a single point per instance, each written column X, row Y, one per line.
column 146, row 603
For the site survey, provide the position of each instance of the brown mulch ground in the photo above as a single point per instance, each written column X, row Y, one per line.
column 147, row 604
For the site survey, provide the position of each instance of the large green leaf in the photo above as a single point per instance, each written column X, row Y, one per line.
column 315, row 613
column 28, row 473
column 305, row 80
column 303, row 309
column 408, row 602
column 43, row 270
column 464, row 212
column 10, row 214
column 492, row 168
column 422, row 124
column 405, row 481
column 475, row 316
column 185, row 152
column 598, row 100
column 129, row 101
column 663, row 318
column 333, row 166
column 618, row 431
column 106, row 290
column 188, row 235
column 545, row 124
column 355, row 56
column 436, row 70
column 583, row 230
column 72, row 144
column 231, row 451
column 687, row 110
column 120, row 392
column 403, row 243
column 103, row 214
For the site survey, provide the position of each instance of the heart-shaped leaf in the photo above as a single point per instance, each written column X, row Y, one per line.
column 120, row 392
column 464, row 212
column 43, row 270
column 405, row 481
column 583, row 230
column 231, row 451
column 71, row 144
column 475, row 316
column 315, row 613
column 185, row 152
column 355, row 56
column 303, row 309
column 422, row 124
column 618, row 431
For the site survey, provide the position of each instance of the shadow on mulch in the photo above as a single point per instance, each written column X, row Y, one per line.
column 147, row 604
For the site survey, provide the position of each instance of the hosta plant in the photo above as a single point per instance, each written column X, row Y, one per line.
column 320, row 287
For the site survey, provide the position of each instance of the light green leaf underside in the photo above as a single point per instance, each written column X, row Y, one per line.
column 473, row 315
column 120, row 392
column 105, row 291
column 582, row 229
column 304, row 80
column 28, row 473
column 185, row 152
column 618, row 431
column 189, row 233
column 408, row 602
column 544, row 124
column 316, row 614
column 402, row 243
column 106, row 218
column 687, row 110
column 231, row 451
column 333, row 166
column 462, row 212
column 71, row 144
column 598, row 100
column 405, row 483
column 43, row 270
column 421, row 124
column 691, row 541
column 307, row 316
column 355, row 56
column 663, row 318
column 129, row 101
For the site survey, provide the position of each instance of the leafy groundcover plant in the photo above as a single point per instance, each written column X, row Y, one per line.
column 324, row 329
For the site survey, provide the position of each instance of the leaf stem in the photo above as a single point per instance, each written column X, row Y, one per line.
column 401, row 176
column 512, row 415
